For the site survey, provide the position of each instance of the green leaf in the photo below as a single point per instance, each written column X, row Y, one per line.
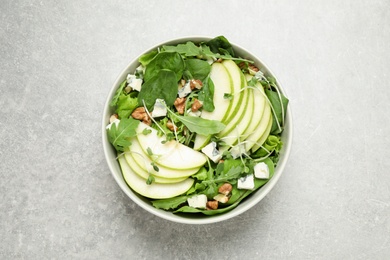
column 118, row 93
column 125, row 105
column 200, row 125
column 161, row 86
column 165, row 61
column 186, row 49
column 273, row 143
column 170, row 203
column 220, row 44
column 206, row 95
column 119, row 136
column 201, row 175
column 147, row 58
column 279, row 105
column 198, row 69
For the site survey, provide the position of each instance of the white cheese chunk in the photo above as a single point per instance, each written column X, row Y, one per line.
column 246, row 182
column 185, row 90
column 159, row 109
column 140, row 70
column 134, row 82
column 116, row 122
column 237, row 150
column 212, row 152
column 261, row 171
column 197, row 201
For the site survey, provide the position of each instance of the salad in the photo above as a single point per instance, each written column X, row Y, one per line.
column 197, row 128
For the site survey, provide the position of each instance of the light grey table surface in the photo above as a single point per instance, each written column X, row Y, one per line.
column 58, row 60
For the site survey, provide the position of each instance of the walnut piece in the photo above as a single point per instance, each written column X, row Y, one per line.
column 171, row 126
column 212, row 204
column 253, row 68
column 196, row 105
column 140, row 114
column 226, row 188
column 196, row 84
column 180, row 104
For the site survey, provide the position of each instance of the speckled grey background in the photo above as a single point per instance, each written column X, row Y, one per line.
column 58, row 60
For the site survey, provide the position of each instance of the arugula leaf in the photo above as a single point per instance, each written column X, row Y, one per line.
column 198, row 69
column 280, row 107
column 165, row 60
column 119, row 136
column 220, row 44
column 186, row 49
column 206, row 95
column 163, row 85
column 118, row 92
column 125, row 105
column 170, row 203
column 200, row 125
column 147, row 57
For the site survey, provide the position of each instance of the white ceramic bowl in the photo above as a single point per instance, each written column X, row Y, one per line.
column 144, row 203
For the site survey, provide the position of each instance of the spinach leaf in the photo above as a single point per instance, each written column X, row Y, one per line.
column 163, row 85
column 170, row 203
column 220, row 44
column 118, row 92
column 280, row 107
column 125, row 105
column 198, row 69
column 165, row 60
column 187, row 49
column 206, row 95
column 119, row 136
column 200, row 125
column 147, row 58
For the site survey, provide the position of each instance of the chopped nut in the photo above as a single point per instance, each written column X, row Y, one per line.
column 242, row 65
column 171, row 126
column 196, row 83
column 226, row 188
column 128, row 89
column 196, row 105
column 219, row 60
column 221, row 198
column 253, row 67
column 212, row 204
column 182, row 82
column 140, row 114
column 113, row 117
column 180, row 105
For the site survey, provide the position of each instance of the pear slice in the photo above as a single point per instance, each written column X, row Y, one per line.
column 259, row 102
column 154, row 190
column 144, row 162
column 222, row 84
column 264, row 137
column 251, row 140
column 172, row 154
column 145, row 174
column 238, row 83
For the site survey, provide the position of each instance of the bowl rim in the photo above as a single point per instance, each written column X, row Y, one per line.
column 242, row 207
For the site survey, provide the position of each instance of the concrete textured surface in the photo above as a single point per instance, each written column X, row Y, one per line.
column 58, row 60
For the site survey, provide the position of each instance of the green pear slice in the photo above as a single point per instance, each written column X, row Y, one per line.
column 144, row 162
column 222, row 84
column 172, row 154
column 264, row 137
column 238, row 83
column 259, row 102
column 251, row 140
column 145, row 174
column 154, row 190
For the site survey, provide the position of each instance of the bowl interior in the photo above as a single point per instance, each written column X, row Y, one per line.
column 246, row 204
